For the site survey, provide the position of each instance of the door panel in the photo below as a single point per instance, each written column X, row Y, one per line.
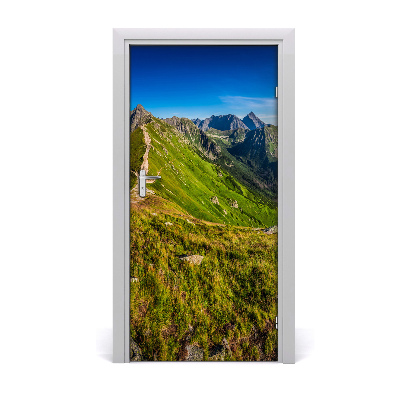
column 203, row 241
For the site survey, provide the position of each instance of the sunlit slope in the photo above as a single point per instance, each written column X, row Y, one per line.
column 197, row 185
column 230, row 297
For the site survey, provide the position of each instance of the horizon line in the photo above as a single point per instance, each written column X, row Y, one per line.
column 212, row 115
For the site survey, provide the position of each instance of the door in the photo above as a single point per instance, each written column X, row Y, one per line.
column 203, row 230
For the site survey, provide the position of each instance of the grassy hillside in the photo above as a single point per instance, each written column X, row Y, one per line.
column 259, row 151
column 137, row 149
column 200, row 187
column 241, row 169
column 230, row 298
column 221, row 306
column 223, row 147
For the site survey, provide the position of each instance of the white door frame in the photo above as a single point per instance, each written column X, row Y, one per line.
column 284, row 38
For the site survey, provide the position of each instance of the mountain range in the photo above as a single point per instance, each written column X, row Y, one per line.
column 218, row 175
column 203, row 242
column 229, row 122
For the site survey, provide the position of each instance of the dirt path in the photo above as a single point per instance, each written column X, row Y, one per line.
column 147, row 141
column 134, row 198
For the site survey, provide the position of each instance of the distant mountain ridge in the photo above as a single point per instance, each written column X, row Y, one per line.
column 196, row 136
column 199, row 175
column 252, row 121
column 259, row 150
column 229, row 122
column 248, row 156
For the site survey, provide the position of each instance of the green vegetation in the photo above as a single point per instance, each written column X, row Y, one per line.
column 207, row 204
column 191, row 181
column 272, row 147
column 231, row 295
column 259, row 152
column 137, row 149
column 216, row 147
column 241, row 169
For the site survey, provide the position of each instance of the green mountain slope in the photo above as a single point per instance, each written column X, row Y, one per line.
column 196, row 183
column 216, row 146
column 259, row 151
column 225, row 307
column 242, row 169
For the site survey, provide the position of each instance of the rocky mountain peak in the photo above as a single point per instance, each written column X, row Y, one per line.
column 139, row 107
column 229, row 122
column 196, row 121
column 139, row 116
column 221, row 122
column 252, row 121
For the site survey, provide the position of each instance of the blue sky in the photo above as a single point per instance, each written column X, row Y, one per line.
column 200, row 81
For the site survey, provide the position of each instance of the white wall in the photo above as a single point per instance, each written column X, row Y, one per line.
column 56, row 202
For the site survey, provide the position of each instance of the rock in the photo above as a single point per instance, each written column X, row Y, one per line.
column 154, row 214
column 168, row 223
column 139, row 116
column 252, row 121
column 136, row 352
column 196, row 121
column 233, row 203
column 218, row 352
column 214, row 200
column 271, row 230
column 194, row 353
column 225, row 212
column 190, row 222
column 193, row 259
column 222, row 123
column 133, row 280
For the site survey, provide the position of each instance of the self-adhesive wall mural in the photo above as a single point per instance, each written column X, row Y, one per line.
column 203, row 239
